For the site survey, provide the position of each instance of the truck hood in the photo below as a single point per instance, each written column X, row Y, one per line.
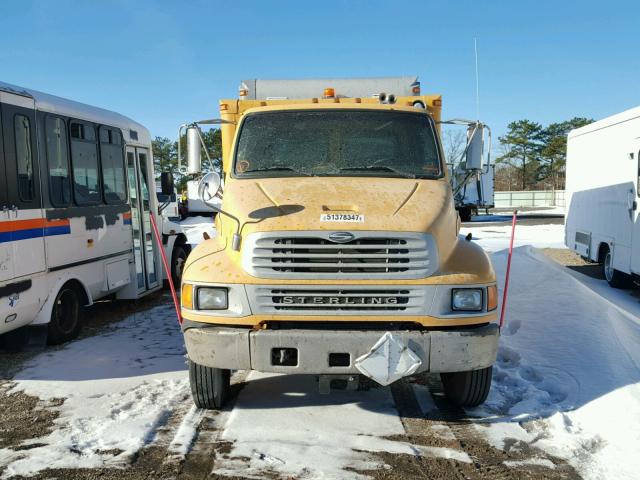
column 389, row 204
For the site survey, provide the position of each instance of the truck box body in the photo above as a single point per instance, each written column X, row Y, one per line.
column 345, row 87
column 602, row 190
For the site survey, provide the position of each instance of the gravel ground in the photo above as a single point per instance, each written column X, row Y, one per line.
column 574, row 261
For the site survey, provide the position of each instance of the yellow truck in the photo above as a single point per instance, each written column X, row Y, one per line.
column 337, row 250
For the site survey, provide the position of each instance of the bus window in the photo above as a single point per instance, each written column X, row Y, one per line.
column 112, row 159
column 58, row 160
column 24, row 157
column 84, row 161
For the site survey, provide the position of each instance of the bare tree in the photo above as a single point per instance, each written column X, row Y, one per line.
column 454, row 139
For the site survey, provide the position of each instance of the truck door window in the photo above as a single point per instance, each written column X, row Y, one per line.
column 58, row 161
column 24, row 157
column 84, row 159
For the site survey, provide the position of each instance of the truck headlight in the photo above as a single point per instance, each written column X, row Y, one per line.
column 212, row 298
column 466, row 299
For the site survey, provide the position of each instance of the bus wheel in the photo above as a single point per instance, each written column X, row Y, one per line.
column 66, row 320
column 209, row 386
column 178, row 258
column 616, row 278
column 467, row 389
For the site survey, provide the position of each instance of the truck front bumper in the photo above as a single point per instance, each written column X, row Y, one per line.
column 241, row 348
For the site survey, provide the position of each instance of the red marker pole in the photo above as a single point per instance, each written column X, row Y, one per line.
column 506, row 279
column 165, row 262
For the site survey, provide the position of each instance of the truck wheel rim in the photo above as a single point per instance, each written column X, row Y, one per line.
column 608, row 269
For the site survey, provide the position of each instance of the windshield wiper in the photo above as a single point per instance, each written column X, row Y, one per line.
column 278, row 168
column 382, row 168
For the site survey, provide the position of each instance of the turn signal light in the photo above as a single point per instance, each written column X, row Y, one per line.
column 492, row 298
column 437, row 102
column 329, row 93
column 186, row 299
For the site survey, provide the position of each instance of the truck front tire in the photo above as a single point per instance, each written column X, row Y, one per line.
column 467, row 389
column 178, row 259
column 209, row 386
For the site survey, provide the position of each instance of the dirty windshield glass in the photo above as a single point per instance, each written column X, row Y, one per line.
column 337, row 143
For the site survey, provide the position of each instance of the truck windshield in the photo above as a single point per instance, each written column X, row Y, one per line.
column 337, row 143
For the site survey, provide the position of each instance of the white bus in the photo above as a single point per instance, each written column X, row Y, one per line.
column 75, row 208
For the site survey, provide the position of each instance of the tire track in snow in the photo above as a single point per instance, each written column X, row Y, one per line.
column 429, row 418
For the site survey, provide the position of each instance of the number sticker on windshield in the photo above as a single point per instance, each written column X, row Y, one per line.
column 342, row 217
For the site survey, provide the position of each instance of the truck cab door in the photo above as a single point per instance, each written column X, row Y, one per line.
column 23, row 184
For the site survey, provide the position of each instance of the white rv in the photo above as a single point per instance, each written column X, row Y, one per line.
column 75, row 208
column 603, row 174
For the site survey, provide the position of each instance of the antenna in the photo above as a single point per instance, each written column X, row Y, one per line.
column 475, row 47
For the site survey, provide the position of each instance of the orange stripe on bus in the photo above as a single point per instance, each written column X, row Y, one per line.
column 15, row 225
column 57, row 223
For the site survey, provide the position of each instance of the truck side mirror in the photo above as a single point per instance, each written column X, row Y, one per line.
column 166, row 183
column 210, row 187
column 475, row 149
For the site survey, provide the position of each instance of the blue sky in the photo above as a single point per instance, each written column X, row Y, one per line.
column 163, row 63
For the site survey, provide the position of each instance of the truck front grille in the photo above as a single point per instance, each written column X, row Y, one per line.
column 368, row 255
column 348, row 300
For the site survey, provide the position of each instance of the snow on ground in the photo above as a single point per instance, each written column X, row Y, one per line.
column 567, row 379
column 120, row 387
column 542, row 211
column 194, row 227
column 281, row 423
column 496, row 237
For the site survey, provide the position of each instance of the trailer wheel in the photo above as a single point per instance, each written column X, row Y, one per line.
column 467, row 389
column 616, row 278
column 66, row 318
column 465, row 214
column 178, row 259
column 209, row 386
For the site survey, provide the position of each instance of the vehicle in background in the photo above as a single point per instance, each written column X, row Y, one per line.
column 195, row 205
column 474, row 192
column 168, row 199
column 473, row 181
column 75, row 209
column 602, row 189
column 337, row 250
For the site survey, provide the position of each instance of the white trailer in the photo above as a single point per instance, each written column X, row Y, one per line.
column 473, row 191
column 603, row 172
column 76, row 198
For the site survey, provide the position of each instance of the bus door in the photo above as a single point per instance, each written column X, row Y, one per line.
column 6, row 249
column 144, row 248
column 24, row 213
